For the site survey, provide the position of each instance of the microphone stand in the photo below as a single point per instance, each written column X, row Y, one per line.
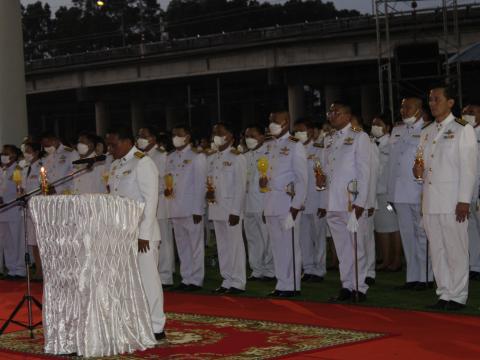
column 28, row 297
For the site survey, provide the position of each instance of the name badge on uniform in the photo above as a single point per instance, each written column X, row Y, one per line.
column 416, row 135
column 187, row 161
column 126, row 172
column 449, row 134
column 227, row 163
column 284, row 151
column 348, row 141
column 397, row 135
column 311, row 157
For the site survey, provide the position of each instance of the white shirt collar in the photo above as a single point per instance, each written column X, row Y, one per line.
column 130, row 154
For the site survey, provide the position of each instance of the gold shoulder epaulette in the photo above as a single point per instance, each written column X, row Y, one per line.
column 209, row 152
column 461, row 121
column 235, row 152
column 139, row 155
column 318, row 145
column 427, row 124
column 357, row 129
column 293, row 139
column 269, row 138
column 197, row 150
column 69, row 149
column 161, row 150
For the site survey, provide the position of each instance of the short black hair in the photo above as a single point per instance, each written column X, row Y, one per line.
column 13, row 149
column 228, row 126
column 448, row 90
column 317, row 125
column 385, row 117
column 151, row 130
column 344, row 104
column 35, row 146
column 48, row 135
column 123, row 133
column 260, row 129
column 89, row 136
column 184, row 127
column 305, row 121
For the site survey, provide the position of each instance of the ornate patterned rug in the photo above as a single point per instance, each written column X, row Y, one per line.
column 209, row 337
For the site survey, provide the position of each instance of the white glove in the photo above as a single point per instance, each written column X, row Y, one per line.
column 289, row 222
column 352, row 224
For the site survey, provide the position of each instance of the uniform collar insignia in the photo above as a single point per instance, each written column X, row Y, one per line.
column 348, row 141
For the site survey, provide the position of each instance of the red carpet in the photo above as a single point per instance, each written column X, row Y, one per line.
column 417, row 335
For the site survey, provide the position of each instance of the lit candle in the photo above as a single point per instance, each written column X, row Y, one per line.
column 43, row 181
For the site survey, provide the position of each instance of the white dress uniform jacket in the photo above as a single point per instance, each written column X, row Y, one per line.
column 260, row 255
column 58, row 165
column 287, row 172
column 450, row 156
column 90, row 181
column 189, row 170
column 135, row 176
column 31, row 182
column 474, row 220
column 372, row 204
column 228, row 172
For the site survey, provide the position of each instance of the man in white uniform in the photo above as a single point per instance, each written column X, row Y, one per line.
column 90, row 181
column 312, row 228
column 347, row 168
column 186, row 206
column 135, row 176
column 405, row 193
column 471, row 114
column 287, row 181
column 58, row 162
column 450, row 171
column 260, row 255
column 147, row 142
column 227, row 181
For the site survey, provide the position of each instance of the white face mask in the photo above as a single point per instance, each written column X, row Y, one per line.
column 219, row 140
column 302, row 136
column 240, row 148
column 178, row 141
column 251, row 143
column 22, row 148
column 214, row 146
column 28, row 157
column 142, row 143
column 50, row 150
column 321, row 135
column 5, row 159
column 22, row 163
column 275, row 129
column 82, row 149
column 377, row 131
column 470, row 119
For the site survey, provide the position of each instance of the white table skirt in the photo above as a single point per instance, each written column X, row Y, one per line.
column 93, row 300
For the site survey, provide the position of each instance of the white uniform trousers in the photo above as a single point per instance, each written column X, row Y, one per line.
column 449, row 249
column 189, row 238
column 474, row 238
column 370, row 247
column 313, row 244
column 414, row 242
column 14, row 246
column 231, row 254
column 260, row 255
column 344, row 244
column 152, row 285
column 284, row 253
column 166, row 258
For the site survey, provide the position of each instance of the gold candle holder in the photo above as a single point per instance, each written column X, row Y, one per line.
column 168, row 192
column 17, row 179
column 43, row 181
column 317, row 169
column 262, row 166
column 419, row 165
column 210, row 196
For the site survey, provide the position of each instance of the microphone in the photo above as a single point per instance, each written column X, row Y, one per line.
column 89, row 161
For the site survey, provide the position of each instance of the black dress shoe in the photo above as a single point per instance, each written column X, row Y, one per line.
column 306, row 277
column 268, row 278
column 359, row 297
column 312, row 278
column 160, row 336
column 192, row 287
column 254, row 278
column 220, row 290
column 343, row 295
column 233, row 291
column 369, row 281
column 439, row 305
column 284, row 293
column 474, row 275
column 167, row 286
column 181, row 287
column 423, row 286
column 454, row 306
column 274, row 293
column 407, row 286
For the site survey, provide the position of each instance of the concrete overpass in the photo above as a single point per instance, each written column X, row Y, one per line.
column 334, row 57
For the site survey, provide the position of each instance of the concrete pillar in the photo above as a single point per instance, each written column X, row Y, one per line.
column 369, row 102
column 13, row 102
column 136, row 112
column 102, row 118
column 169, row 117
column 296, row 102
column 332, row 93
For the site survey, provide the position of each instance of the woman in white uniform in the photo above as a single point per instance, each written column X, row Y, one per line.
column 385, row 220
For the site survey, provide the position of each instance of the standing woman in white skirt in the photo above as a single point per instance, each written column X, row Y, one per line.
column 30, row 181
column 385, row 220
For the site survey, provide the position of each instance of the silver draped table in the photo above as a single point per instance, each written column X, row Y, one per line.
column 93, row 300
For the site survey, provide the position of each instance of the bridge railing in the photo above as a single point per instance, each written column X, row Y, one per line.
column 324, row 28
